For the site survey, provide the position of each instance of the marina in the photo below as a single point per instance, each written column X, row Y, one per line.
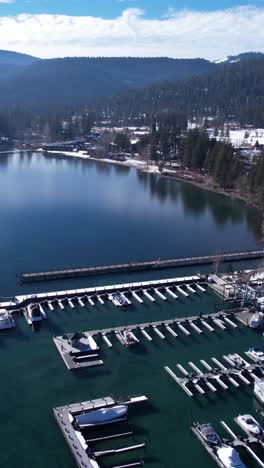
column 69, row 229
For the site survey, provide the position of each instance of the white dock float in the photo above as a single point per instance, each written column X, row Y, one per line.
column 197, row 370
column 146, row 334
column 61, row 305
column 209, row 385
column 190, row 289
column 80, row 301
column 219, row 364
column 133, row 336
column 71, row 304
column 230, row 432
column 219, row 324
column 182, row 291
column 42, row 311
column 200, row 288
column 171, row 293
column 234, row 325
column 233, row 381
column 128, row 301
column 171, row 373
column 146, row 293
column 200, row 389
column 158, row 332
column 246, row 381
column 91, row 302
column 135, row 295
column 100, row 300
column 171, row 331
column 160, row 294
column 204, row 363
column 106, row 340
column 255, row 377
column 226, row 358
column 197, row 329
column 181, row 368
column 222, row 384
column 50, row 306
column 181, row 327
column 119, row 338
column 206, row 325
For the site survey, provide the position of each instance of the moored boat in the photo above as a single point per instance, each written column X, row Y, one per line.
column 102, row 416
column 34, row 312
column 259, row 390
column 257, row 320
column 250, row 425
column 6, row 320
column 229, row 457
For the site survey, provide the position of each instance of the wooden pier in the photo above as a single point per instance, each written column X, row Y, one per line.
column 141, row 266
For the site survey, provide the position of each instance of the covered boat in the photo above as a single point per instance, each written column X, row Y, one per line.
column 257, row 320
column 102, row 416
column 229, row 457
column 6, row 320
column 34, row 312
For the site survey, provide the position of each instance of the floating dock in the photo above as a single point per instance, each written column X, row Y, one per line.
column 73, row 297
column 140, row 266
column 78, row 350
column 240, row 371
column 84, row 455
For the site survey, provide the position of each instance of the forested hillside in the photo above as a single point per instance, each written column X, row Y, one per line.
column 13, row 63
column 233, row 91
column 74, row 81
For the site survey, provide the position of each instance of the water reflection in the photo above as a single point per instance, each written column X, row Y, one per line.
column 196, row 201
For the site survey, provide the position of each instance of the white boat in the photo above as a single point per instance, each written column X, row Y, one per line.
column 257, row 320
column 102, row 416
column 128, row 338
column 237, row 360
column 6, row 320
column 259, row 390
column 256, row 354
column 34, row 312
column 229, row 457
column 250, row 425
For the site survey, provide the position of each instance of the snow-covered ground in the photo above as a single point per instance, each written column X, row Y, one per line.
column 75, row 154
column 136, row 163
column 248, row 136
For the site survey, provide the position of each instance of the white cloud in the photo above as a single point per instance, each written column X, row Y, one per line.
column 183, row 33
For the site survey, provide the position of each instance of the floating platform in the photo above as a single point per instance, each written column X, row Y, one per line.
column 78, row 350
column 79, row 446
column 90, row 294
column 240, row 371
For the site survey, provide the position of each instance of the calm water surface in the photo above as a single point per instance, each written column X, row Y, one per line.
column 58, row 212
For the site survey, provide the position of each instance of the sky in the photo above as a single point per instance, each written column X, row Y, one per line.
column 210, row 29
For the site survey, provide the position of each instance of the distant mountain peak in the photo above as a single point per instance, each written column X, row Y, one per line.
column 239, row 57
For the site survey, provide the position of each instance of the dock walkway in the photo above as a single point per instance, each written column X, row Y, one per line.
column 139, row 266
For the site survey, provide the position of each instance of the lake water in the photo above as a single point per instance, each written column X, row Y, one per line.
column 59, row 212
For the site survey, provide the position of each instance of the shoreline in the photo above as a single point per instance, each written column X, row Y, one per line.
column 154, row 169
column 151, row 169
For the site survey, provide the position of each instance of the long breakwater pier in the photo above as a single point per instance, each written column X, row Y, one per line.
column 141, row 266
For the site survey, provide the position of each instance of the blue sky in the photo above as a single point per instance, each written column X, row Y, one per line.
column 113, row 8
column 210, row 29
